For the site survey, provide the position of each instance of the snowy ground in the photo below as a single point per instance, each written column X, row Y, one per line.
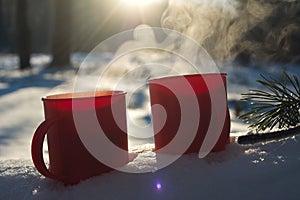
column 262, row 171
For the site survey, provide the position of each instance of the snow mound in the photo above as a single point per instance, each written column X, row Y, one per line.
column 262, row 171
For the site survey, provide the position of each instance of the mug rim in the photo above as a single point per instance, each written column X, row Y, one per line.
column 185, row 75
column 83, row 95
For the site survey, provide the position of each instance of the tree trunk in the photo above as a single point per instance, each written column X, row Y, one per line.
column 61, row 48
column 23, row 35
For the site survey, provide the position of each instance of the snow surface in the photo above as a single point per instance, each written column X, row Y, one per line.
column 265, row 171
column 261, row 171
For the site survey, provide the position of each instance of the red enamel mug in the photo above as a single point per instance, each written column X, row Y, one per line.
column 169, row 92
column 69, row 159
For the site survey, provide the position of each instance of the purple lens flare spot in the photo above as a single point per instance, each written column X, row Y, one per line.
column 158, row 186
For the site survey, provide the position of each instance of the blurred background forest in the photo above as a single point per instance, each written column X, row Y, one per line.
column 62, row 26
column 249, row 32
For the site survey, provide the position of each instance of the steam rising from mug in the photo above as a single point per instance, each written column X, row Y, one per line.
column 248, row 31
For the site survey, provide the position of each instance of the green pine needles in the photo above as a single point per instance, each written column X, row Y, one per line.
column 276, row 106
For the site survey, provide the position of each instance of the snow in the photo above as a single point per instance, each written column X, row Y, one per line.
column 268, row 171
column 261, row 171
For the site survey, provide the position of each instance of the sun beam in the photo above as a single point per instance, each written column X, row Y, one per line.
column 141, row 2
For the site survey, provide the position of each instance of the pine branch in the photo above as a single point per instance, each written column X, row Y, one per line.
column 278, row 106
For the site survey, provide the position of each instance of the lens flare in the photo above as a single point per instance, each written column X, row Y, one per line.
column 158, row 186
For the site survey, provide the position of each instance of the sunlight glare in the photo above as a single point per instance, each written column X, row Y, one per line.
column 141, row 2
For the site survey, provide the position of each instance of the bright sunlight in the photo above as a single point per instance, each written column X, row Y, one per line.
column 141, row 2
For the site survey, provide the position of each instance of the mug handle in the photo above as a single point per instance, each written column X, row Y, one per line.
column 37, row 148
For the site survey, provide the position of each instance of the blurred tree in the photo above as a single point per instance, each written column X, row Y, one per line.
column 23, row 35
column 61, row 48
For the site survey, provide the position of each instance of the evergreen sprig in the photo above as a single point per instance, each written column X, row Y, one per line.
column 277, row 106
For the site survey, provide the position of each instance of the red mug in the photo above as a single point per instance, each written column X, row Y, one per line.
column 168, row 92
column 69, row 159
